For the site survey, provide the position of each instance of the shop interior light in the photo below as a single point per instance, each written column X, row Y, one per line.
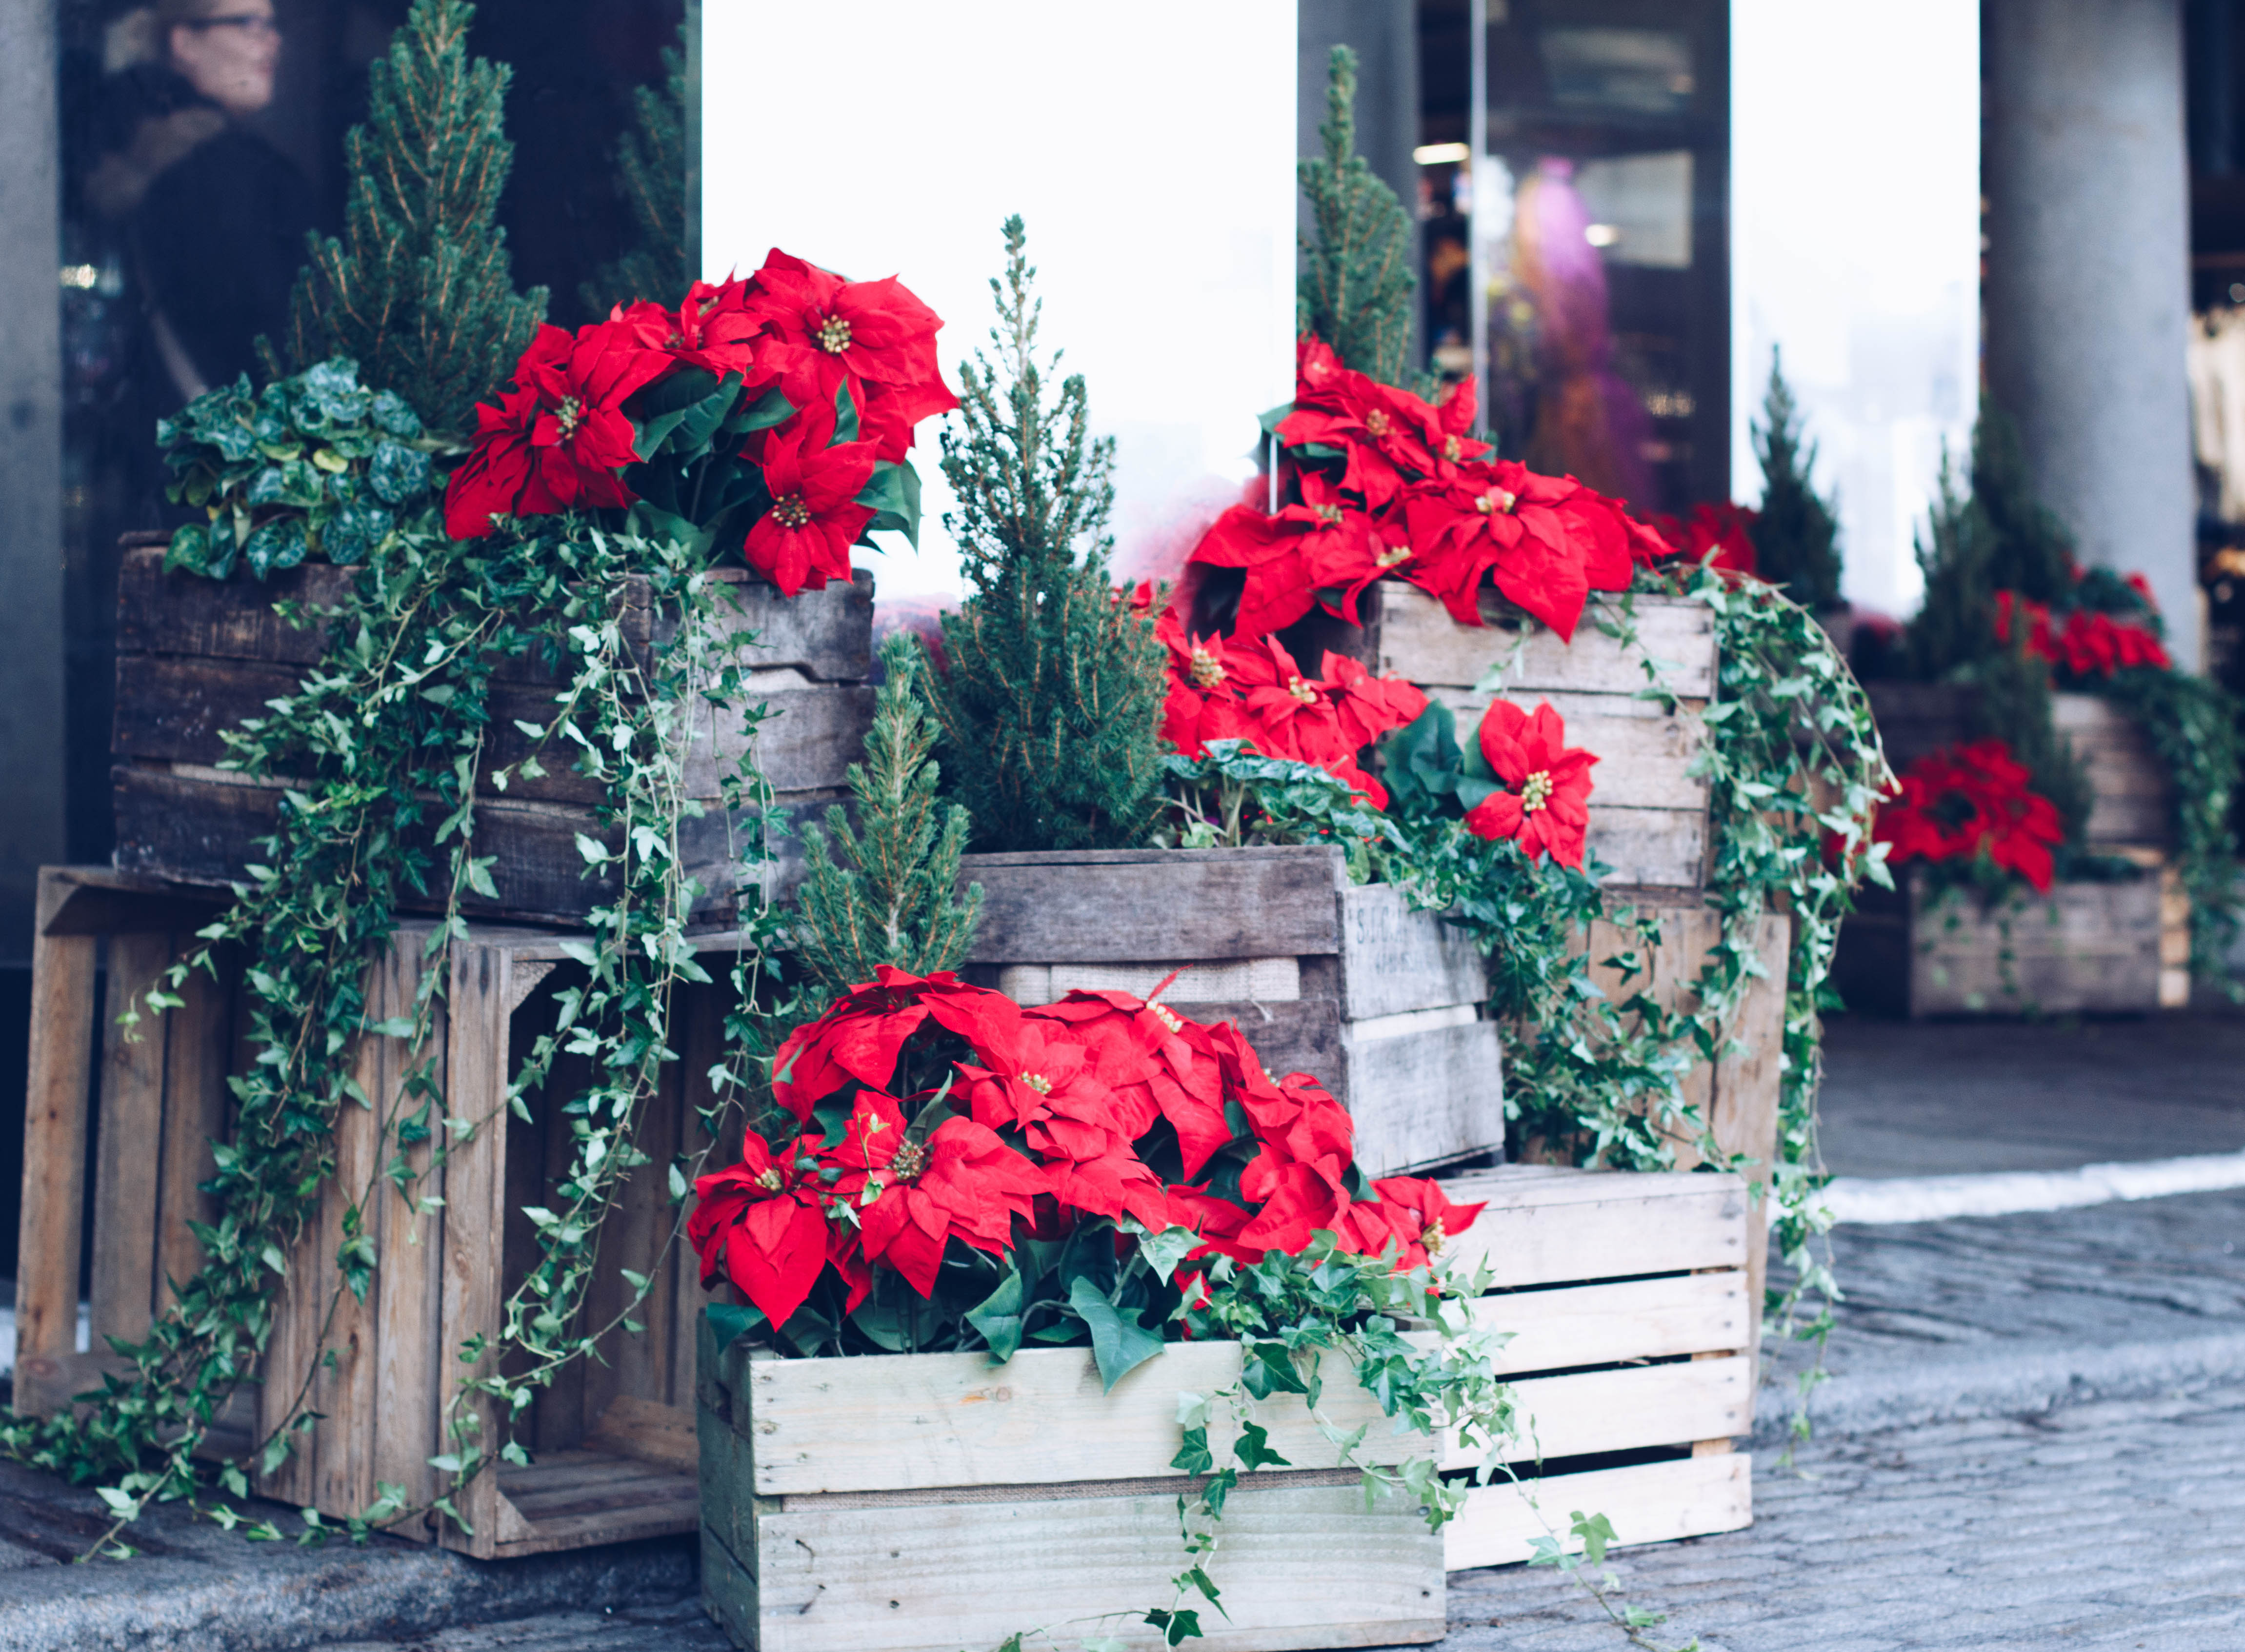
column 82, row 277
column 1601, row 234
column 1437, row 154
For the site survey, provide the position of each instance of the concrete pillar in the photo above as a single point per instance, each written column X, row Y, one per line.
column 2088, row 282
column 1384, row 34
column 31, row 468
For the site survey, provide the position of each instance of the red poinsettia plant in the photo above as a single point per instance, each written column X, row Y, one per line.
column 1377, row 481
column 1972, row 804
column 951, row 1170
column 1517, row 782
column 1719, row 536
column 776, row 410
column 2083, row 643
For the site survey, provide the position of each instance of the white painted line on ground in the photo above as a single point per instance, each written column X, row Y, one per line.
column 1924, row 1198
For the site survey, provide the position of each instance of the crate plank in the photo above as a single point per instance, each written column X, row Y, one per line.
column 1646, row 1503
column 408, row 1293
column 1625, row 1319
column 1425, row 1097
column 1419, row 640
column 2085, row 947
column 1178, row 904
column 1300, row 1567
column 61, row 1058
column 198, row 1043
column 123, row 1290
column 1397, row 960
column 1549, row 1227
column 1624, row 1410
column 1645, row 753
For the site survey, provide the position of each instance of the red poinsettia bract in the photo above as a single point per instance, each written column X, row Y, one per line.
column 804, row 538
column 2088, row 644
column 1968, row 801
column 558, row 440
column 1068, row 1110
column 1547, row 809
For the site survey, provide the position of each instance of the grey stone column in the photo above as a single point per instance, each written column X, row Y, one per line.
column 2088, row 281
column 31, row 468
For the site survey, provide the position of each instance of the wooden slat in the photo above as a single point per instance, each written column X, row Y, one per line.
column 1744, row 1119
column 1626, row 1409
column 347, row 1391
column 1394, row 958
column 55, row 1132
column 1662, row 848
column 1646, row 1503
column 123, row 1290
column 1624, row 1320
column 1300, row 1567
column 956, row 1419
column 198, row 1044
column 2085, row 947
column 1419, row 640
column 1645, row 753
column 1549, row 1227
column 408, row 1282
column 1155, row 903
column 1426, row 1098
column 474, row 1211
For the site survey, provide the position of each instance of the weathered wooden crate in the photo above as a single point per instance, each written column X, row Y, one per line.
column 195, row 657
column 2131, row 798
column 2108, row 948
column 1648, row 812
column 1382, row 1004
column 923, row 1502
column 613, row 1439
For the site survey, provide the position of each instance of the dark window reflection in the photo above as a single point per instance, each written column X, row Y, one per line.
column 201, row 140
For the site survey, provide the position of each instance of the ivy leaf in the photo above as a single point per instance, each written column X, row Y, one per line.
column 729, row 1323
column 1119, row 1343
column 998, row 1317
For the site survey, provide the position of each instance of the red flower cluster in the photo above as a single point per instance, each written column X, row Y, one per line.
column 1970, row 800
column 1252, row 689
column 1547, row 811
column 561, row 436
column 1059, row 1104
column 1389, row 484
column 2088, row 644
column 1719, row 535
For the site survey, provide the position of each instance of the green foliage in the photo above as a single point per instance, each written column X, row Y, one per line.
column 419, row 290
column 651, row 167
column 2011, row 702
column 2192, row 726
column 1235, row 795
column 1795, row 535
column 1358, row 284
column 2030, row 550
column 1051, row 686
column 892, row 897
column 310, row 467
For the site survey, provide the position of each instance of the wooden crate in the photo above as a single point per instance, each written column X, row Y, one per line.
column 2132, row 804
column 2098, row 948
column 1649, row 814
column 1382, row 1004
column 195, row 657
column 613, row 1440
column 933, row 1501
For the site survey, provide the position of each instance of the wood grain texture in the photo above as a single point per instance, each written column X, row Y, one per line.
column 122, row 1293
column 1426, row 1098
column 1088, row 907
column 1646, row 1503
column 1394, row 958
column 1625, row 1409
column 2132, row 793
column 61, row 1060
column 1301, row 1567
column 198, row 1107
column 1419, row 640
column 1547, row 1226
column 1677, row 1313
column 409, row 1278
column 2086, row 947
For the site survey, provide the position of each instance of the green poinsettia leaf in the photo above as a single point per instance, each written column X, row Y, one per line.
column 997, row 1316
column 893, row 494
column 1119, row 1343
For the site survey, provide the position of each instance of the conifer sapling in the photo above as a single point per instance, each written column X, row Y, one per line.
column 890, row 896
column 1795, row 535
column 651, row 170
column 1052, row 686
column 1358, row 289
column 420, row 291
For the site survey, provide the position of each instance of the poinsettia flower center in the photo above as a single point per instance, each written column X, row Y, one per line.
column 1497, row 501
column 1205, row 669
column 790, row 512
column 911, row 1159
column 569, row 415
column 1037, row 1082
column 833, row 335
column 769, row 1181
column 1537, row 793
column 1378, row 423
column 1391, row 554
column 1329, row 514
column 1301, row 691
column 1431, row 1239
column 1162, row 1013
column 1453, row 450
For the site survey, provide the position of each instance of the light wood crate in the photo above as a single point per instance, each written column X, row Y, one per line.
column 919, row 1503
column 2121, row 948
column 1382, row 1004
column 1649, row 814
column 195, row 657
column 613, row 1439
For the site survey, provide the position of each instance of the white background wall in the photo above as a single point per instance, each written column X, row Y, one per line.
column 1855, row 247
column 1150, row 148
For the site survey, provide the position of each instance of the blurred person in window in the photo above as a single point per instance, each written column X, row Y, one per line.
column 212, row 216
